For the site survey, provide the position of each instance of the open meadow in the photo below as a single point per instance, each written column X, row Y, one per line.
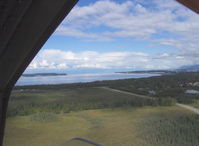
column 51, row 117
column 148, row 126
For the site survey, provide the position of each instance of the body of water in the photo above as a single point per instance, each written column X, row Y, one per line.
column 192, row 91
column 78, row 78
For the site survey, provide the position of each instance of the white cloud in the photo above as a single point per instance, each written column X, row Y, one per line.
column 129, row 19
column 69, row 31
column 59, row 59
column 135, row 19
column 161, row 22
column 164, row 55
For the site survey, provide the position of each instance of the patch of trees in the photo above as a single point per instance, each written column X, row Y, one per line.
column 167, row 88
column 27, row 102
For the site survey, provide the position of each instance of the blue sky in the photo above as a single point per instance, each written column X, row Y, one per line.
column 117, row 35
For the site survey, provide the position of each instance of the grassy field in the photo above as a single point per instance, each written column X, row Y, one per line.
column 146, row 126
column 49, row 117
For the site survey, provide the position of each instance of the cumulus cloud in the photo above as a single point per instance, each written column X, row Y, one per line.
column 164, row 55
column 175, row 25
column 129, row 19
column 59, row 59
column 163, row 23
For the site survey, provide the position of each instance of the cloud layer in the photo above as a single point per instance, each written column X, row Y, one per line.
column 163, row 23
column 63, row 60
column 135, row 19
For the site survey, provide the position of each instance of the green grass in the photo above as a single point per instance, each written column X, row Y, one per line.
column 43, row 117
column 50, row 117
column 146, row 126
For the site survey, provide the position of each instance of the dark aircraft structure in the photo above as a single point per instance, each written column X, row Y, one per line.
column 25, row 25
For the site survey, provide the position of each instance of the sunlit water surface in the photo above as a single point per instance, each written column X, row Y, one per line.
column 77, row 78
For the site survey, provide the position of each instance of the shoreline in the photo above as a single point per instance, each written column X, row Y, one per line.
column 79, row 78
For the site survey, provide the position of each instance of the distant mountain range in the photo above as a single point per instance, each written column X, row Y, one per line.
column 44, row 74
column 150, row 71
column 194, row 68
column 190, row 67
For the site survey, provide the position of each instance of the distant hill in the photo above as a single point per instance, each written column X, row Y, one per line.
column 44, row 74
column 183, row 69
column 149, row 71
column 190, row 67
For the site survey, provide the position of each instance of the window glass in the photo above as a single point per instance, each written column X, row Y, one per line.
column 114, row 73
